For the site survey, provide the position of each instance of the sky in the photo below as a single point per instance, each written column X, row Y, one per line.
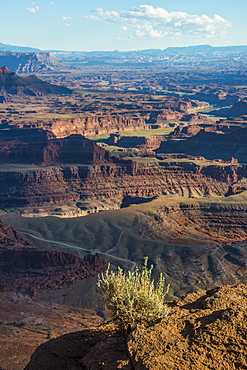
column 86, row 25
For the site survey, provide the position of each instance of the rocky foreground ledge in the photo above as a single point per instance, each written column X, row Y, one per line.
column 205, row 330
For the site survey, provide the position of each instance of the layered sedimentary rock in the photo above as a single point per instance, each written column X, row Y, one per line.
column 185, row 131
column 211, row 145
column 189, row 223
column 143, row 142
column 238, row 109
column 73, row 149
column 55, row 185
column 27, row 269
column 214, row 96
column 28, row 135
column 94, row 125
column 92, row 118
column 193, row 129
column 28, row 62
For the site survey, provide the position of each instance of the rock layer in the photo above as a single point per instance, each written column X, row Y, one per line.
column 28, row 62
column 72, row 149
column 94, row 125
column 56, row 185
column 27, row 269
column 210, row 145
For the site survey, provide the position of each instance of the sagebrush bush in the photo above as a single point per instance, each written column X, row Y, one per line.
column 132, row 298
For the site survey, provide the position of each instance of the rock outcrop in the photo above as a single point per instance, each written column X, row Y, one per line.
column 210, row 145
column 26, row 323
column 65, row 183
column 185, row 131
column 28, row 135
column 238, row 109
column 22, row 62
column 199, row 222
column 72, row 149
column 216, row 96
column 142, row 142
column 11, row 83
column 94, row 125
column 75, row 168
column 205, row 330
column 25, row 268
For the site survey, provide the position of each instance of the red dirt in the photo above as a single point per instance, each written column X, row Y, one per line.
column 205, row 330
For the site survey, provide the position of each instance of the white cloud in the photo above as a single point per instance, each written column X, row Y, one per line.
column 66, row 18
column 33, row 10
column 150, row 22
column 149, row 32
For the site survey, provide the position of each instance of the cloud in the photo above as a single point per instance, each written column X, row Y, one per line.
column 33, row 10
column 66, row 18
column 149, row 22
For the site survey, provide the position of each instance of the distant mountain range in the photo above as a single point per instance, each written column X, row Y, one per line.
column 28, row 60
column 22, row 49
column 170, row 50
column 187, row 50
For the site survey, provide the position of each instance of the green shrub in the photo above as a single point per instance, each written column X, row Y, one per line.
column 132, row 298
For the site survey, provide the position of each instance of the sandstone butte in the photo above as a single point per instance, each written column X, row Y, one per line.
column 204, row 330
column 210, row 144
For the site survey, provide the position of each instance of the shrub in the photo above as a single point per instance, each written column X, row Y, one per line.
column 132, row 298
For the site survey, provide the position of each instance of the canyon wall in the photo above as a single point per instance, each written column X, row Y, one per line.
column 64, row 184
column 27, row 269
column 210, row 145
column 72, row 149
column 28, row 62
column 93, row 125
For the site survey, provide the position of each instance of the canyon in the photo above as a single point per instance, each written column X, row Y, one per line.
column 25, row 272
column 112, row 163
column 76, row 170
column 211, row 145
column 29, row 270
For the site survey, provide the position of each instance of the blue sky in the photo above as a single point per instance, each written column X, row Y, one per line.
column 122, row 25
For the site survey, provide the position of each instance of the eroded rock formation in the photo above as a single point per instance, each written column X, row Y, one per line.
column 61, row 184
column 211, row 145
column 11, row 83
column 238, row 109
column 27, row 269
column 72, row 149
column 143, row 142
column 199, row 222
column 28, row 62
column 94, row 125
column 204, row 330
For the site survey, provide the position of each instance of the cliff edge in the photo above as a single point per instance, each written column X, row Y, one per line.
column 204, row 330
